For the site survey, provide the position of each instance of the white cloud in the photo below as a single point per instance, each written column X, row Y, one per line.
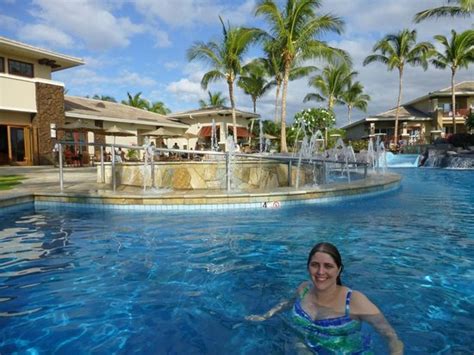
column 41, row 33
column 186, row 90
column 9, row 23
column 171, row 65
column 84, row 77
column 88, row 20
column 161, row 39
column 188, row 13
column 133, row 79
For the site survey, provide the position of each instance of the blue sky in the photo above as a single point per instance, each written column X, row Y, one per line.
column 140, row 46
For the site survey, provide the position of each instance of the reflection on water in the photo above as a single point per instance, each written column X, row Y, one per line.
column 104, row 281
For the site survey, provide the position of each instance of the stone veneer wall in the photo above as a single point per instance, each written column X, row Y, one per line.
column 211, row 175
column 100, row 139
column 50, row 109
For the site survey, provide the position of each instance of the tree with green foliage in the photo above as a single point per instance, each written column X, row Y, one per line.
column 464, row 8
column 457, row 52
column 354, row 97
column 254, row 81
column 314, row 119
column 225, row 57
column 136, row 101
column 397, row 51
column 295, row 29
column 104, row 98
column 158, row 107
column 215, row 100
column 331, row 83
column 274, row 66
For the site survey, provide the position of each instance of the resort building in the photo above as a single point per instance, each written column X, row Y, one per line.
column 420, row 120
column 31, row 103
column 35, row 113
column 200, row 123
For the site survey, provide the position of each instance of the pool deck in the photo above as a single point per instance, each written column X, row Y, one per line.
column 41, row 186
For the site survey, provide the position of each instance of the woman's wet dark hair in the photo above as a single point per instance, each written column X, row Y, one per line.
column 331, row 250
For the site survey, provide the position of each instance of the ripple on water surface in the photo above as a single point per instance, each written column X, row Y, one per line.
column 108, row 281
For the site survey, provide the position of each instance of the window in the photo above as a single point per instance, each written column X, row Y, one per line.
column 2, row 65
column 16, row 67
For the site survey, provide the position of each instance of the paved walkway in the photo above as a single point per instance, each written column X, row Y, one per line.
column 46, row 179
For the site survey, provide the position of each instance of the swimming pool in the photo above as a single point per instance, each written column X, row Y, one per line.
column 97, row 281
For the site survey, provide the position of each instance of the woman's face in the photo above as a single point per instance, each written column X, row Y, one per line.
column 323, row 271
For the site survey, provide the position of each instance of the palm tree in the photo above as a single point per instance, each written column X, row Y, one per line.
column 253, row 81
column 274, row 66
column 396, row 51
column 158, row 107
column 136, row 101
column 225, row 57
column 104, row 98
column 354, row 97
column 331, row 84
column 215, row 100
column 295, row 28
column 458, row 52
column 464, row 9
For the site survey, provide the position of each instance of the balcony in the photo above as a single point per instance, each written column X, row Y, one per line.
column 461, row 112
column 18, row 94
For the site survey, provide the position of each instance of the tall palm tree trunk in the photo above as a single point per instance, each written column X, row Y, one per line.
column 254, row 99
column 453, row 98
column 286, row 76
column 349, row 112
column 278, row 86
column 230, row 82
column 397, row 112
column 330, row 107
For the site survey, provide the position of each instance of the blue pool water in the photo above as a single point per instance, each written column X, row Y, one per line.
column 78, row 281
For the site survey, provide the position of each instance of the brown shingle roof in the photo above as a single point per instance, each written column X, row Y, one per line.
column 213, row 111
column 81, row 107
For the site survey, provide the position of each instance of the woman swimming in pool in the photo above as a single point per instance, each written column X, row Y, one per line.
column 329, row 313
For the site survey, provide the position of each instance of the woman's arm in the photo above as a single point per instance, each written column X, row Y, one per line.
column 285, row 304
column 363, row 308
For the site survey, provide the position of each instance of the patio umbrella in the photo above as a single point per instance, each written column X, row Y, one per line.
column 268, row 136
column 81, row 126
column 164, row 132
column 118, row 132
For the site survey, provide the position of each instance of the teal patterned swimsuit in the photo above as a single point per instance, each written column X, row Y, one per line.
column 340, row 335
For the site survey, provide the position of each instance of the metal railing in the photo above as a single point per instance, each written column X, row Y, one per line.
column 289, row 160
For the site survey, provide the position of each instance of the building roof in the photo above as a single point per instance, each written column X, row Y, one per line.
column 212, row 112
column 462, row 88
column 407, row 113
column 84, row 108
column 465, row 87
column 56, row 61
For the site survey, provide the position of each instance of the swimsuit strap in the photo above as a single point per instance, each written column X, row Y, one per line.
column 348, row 301
column 305, row 291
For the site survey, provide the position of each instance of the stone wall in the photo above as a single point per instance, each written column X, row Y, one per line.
column 50, row 109
column 210, row 175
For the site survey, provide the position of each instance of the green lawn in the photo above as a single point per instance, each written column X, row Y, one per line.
column 8, row 181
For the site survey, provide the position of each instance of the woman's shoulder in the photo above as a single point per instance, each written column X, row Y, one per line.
column 360, row 304
column 303, row 288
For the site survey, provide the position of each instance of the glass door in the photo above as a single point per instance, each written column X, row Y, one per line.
column 17, row 142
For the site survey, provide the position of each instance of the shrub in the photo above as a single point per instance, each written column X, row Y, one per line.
column 359, row 145
column 463, row 140
column 470, row 121
column 132, row 155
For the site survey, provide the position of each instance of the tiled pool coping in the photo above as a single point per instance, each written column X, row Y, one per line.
column 178, row 200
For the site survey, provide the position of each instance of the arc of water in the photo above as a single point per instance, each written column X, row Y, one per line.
column 230, row 143
column 214, row 145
